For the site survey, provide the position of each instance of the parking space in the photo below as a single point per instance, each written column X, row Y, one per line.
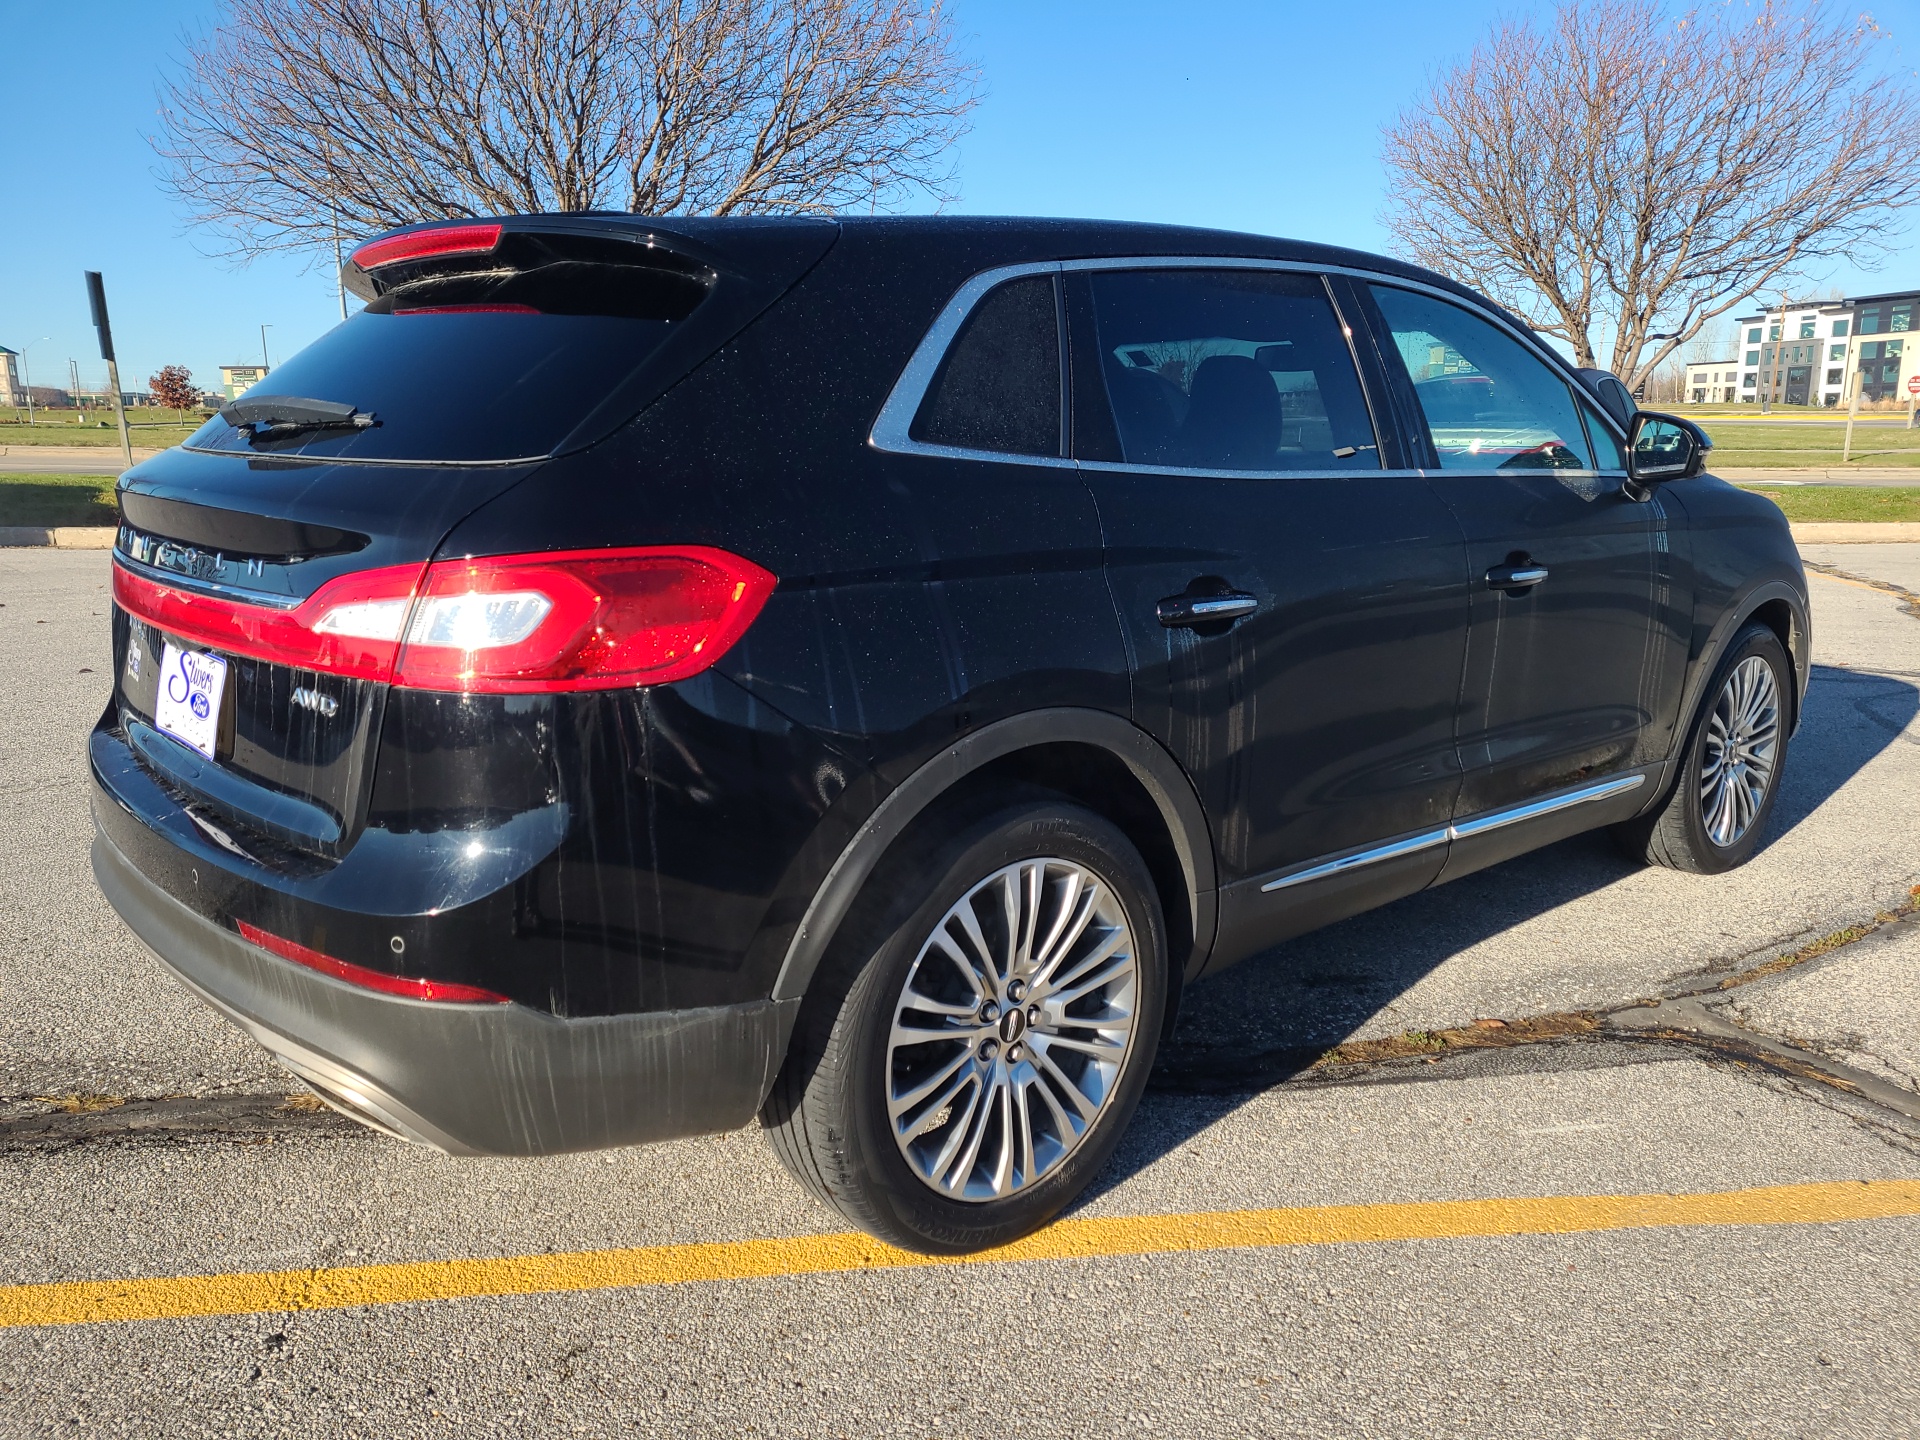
column 1202, row 1289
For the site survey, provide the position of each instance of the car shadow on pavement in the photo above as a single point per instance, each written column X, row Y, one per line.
column 1272, row 1017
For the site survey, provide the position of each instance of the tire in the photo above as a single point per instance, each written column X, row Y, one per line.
column 876, row 1130
column 1713, row 820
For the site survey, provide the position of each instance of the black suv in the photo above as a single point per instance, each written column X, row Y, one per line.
column 638, row 675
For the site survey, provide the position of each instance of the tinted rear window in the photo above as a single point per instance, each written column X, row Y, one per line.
column 999, row 387
column 480, row 365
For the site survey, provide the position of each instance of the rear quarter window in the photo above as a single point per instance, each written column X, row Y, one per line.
column 998, row 388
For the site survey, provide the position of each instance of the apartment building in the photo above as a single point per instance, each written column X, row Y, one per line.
column 1882, row 354
column 1714, row 382
column 1796, row 355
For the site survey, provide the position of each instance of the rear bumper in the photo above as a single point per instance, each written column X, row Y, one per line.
column 468, row 1079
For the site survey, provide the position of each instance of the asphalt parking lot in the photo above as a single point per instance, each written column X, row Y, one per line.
column 1566, row 1148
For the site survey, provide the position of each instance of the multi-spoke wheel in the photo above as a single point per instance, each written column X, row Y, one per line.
column 1716, row 813
column 970, row 1056
column 1012, row 1029
column 1743, row 738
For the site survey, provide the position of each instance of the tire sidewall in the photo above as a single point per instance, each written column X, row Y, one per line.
column 1754, row 640
column 935, row 1222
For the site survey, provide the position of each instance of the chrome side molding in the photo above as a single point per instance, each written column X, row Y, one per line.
column 1459, row 830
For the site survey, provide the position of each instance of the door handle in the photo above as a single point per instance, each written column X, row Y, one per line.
column 1515, row 577
column 1206, row 609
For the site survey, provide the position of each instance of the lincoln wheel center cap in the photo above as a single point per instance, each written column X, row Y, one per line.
column 1013, row 1024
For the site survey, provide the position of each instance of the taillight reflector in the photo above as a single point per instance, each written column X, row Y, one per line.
column 425, row 244
column 411, row 989
column 511, row 624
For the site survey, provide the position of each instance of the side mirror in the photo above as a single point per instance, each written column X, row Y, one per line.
column 1665, row 447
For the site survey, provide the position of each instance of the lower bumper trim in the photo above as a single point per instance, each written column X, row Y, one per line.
column 468, row 1079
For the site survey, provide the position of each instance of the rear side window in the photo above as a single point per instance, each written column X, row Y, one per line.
column 1230, row 370
column 492, row 360
column 999, row 386
column 1490, row 403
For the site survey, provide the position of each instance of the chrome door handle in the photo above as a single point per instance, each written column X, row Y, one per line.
column 1515, row 577
column 1206, row 609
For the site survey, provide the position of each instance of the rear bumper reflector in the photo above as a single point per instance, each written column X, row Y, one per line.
column 406, row 986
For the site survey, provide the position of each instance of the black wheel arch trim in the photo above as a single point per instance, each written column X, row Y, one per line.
column 1156, row 770
column 1733, row 619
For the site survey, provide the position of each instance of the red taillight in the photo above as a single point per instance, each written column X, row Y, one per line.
column 572, row 620
column 349, row 626
column 425, row 244
column 580, row 620
column 368, row 979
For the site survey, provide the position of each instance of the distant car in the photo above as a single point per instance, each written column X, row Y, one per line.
column 638, row 675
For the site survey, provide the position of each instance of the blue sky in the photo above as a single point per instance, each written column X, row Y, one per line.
column 1253, row 116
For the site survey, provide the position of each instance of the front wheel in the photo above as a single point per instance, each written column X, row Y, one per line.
column 974, row 1050
column 1730, row 774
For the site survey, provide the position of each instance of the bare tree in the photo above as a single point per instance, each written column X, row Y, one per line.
column 295, row 121
column 1623, row 170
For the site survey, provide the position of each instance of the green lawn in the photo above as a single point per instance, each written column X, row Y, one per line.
column 56, row 500
column 151, row 429
column 1844, row 502
column 1758, row 445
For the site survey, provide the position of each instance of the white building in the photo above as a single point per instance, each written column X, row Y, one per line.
column 1796, row 355
column 1714, row 382
column 12, row 392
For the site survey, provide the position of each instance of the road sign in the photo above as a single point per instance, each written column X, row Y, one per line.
column 1913, row 384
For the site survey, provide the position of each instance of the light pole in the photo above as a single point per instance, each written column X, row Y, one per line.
column 26, row 375
column 264, row 366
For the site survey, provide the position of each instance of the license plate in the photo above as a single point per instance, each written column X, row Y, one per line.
column 187, row 705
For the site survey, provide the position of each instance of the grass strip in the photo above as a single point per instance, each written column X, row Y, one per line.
column 1844, row 502
column 57, row 500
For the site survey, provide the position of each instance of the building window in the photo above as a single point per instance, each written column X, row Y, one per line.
column 1773, row 332
column 1870, row 320
column 1836, row 352
column 1753, row 336
column 1902, row 317
column 1840, row 329
column 1747, row 383
column 1833, row 377
column 1806, row 329
column 1753, row 356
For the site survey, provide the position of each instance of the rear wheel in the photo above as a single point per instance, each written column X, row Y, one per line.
column 972, row 1053
column 1730, row 774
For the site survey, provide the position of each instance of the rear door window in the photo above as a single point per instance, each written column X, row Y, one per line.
column 1239, row 370
column 998, row 388
column 1490, row 403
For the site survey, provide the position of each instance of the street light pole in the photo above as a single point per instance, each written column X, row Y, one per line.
column 264, row 366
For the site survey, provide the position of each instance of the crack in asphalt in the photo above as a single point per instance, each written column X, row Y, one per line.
column 1676, row 1025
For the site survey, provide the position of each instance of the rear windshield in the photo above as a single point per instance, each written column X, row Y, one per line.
column 476, row 364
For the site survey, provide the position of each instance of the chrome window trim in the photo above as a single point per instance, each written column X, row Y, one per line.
column 1459, row 830
column 213, row 589
column 890, row 427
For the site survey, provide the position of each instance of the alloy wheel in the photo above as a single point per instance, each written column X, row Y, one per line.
column 1741, row 751
column 1012, row 1029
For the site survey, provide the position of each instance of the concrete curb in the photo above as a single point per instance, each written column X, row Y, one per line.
column 1854, row 532
column 60, row 537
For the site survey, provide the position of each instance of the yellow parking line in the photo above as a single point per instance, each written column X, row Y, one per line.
column 275, row 1291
